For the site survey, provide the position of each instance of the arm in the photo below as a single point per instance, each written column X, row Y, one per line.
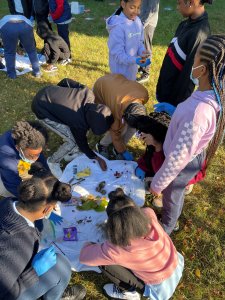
column 141, row 47
column 15, row 276
column 116, row 44
column 59, row 10
column 81, row 140
column 97, row 255
column 180, row 153
column 9, row 173
column 11, row 6
column 117, row 139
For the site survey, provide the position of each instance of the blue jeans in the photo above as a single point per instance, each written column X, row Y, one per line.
column 11, row 33
column 51, row 284
column 173, row 195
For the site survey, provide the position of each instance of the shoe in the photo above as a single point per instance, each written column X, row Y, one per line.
column 143, row 78
column 74, row 292
column 103, row 150
column 50, row 68
column 2, row 66
column 12, row 76
column 118, row 156
column 65, row 62
column 70, row 156
column 188, row 189
column 55, row 169
column 157, row 202
column 177, row 226
column 37, row 75
column 116, row 293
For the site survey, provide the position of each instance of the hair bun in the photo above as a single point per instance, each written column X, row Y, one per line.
column 118, row 193
column 62, row 192
column 28, row 190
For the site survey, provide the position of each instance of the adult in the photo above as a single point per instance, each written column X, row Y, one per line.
column 126, row 100
column 20, row 147
column 40, row 11
column 149, row 17
column 14, row 28
column 68, row 109
column 27, row 274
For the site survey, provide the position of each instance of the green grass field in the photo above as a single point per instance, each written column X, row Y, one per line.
column 202, row 236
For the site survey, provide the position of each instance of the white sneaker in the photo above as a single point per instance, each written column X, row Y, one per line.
column 70, row 156
column 114, row 292
column 55, row 169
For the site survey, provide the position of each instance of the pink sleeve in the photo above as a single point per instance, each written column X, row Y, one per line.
column 181, row 151
column 97, row 255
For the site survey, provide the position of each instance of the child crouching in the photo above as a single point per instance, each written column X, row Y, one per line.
column 138, row 256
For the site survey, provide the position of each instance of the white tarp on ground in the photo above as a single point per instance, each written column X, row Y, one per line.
column 23, row 64
column 87, row 222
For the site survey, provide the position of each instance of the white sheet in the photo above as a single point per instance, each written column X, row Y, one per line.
column 89, row 231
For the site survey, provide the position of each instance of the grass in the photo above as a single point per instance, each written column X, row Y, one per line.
column 202, row 238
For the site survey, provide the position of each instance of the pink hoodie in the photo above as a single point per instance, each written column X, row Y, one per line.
column 152, row 258
column 191, row 129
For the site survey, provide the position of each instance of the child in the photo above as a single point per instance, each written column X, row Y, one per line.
column 174, row 84
column 12, row 29
column 25, row 272
column 55, row 48
column 126, row 48
column 60, row 12
column 137, row 255
column 196, row 123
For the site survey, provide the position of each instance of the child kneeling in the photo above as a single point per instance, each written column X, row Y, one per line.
column 137, row 255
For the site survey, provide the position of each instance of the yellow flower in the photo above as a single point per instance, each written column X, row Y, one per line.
column 23, row 168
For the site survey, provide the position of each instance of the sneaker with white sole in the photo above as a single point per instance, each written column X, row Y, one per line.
column 55, row 169
column 102, row 150
column 116, row 293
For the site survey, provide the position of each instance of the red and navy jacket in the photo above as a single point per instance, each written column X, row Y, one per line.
column 174, row 83
column 60, row 10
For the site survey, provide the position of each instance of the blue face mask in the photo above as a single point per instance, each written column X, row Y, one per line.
column 22, row 156
column 195, row 80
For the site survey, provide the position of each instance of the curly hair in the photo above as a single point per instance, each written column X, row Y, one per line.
column 42, row 189
column 29, row 134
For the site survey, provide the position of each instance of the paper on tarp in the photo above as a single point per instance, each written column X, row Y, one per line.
column 88, row 223
column 23, row 63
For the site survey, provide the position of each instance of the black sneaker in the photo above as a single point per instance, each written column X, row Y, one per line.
column 103, row 150
column 143, row 78
column 177, row 227
column 74, row 292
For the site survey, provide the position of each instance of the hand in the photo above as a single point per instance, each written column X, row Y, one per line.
column 140, row 173
column 127, row 155
column 154, row 193
column 143, row 62
column 32, row 21
column 44, row 260
column 165, row 107
column 102, row 163
column 56, row 219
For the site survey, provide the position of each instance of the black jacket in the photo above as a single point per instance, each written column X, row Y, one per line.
column 72, row 104
column 40, row 10
column 55, row 48
column 18, row 245
column 174, row 84
column 27, row 8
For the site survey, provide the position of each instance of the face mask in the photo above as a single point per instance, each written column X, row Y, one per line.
column 22, row 156
column 195, row 80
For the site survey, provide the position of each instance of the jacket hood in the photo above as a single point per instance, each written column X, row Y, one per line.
column 114, row 20
column 99, row 118
column 43, row 30
column 206, row 97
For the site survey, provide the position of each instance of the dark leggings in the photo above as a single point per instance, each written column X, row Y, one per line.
column 123, row 278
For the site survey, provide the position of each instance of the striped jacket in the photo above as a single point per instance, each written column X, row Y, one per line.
column 174, row 84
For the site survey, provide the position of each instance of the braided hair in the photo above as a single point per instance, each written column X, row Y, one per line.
column 212, row 54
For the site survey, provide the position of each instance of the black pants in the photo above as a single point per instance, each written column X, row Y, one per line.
column 63, row 31
column 123, row 278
